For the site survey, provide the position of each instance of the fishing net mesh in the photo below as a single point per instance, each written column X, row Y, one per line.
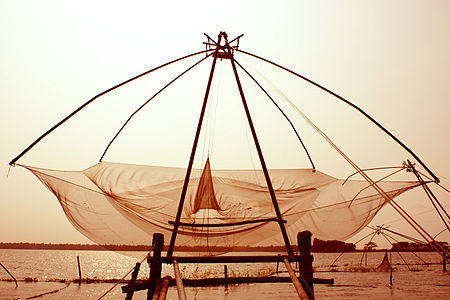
column 117, row 204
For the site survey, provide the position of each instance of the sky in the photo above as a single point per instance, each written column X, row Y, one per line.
column 391, row 58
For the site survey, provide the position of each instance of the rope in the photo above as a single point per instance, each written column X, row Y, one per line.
column 146, row 102
column 387, row 235
column 13, row 161
column 48, row 293
column 352, row 105
column 331, row 265
column 383, row 234
column 430, row 195
column 380, row 191
column 279, row 108
column 117, row 283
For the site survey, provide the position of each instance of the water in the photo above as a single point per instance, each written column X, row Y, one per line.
column 52, row 270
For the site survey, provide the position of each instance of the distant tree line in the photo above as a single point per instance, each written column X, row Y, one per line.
column 332, row 246
column 317, row 246
column 94, row 247
column 416, row 247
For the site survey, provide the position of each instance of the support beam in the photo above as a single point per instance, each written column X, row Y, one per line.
column 298, row 287
column 179, row 281
column 191, row 159
column 305, row 263
column 134, row 275
column 261, row 159
column 155, row 263
column 225, row 259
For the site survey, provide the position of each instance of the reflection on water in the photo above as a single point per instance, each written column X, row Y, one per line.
column 423, row 281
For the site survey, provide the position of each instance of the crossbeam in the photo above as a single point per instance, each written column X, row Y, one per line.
column 228, row 224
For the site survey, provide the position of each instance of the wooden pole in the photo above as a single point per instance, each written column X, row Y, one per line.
column 261, row 158
column 305, row 262
column 155, row 263
column 79, row 270
column 300, row 291
column 134, row 275
column 225, row 270
column 191, row 159
column 164, row 287
column 390, row 268
column 444, row 264
column 15, row 281
column 157, row 290
column 179, row 281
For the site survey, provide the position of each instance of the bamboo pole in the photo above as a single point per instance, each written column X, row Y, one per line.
column 157, row 290
column 164, row 288
column 300, row 291
column 15, row 281
column 179, row 281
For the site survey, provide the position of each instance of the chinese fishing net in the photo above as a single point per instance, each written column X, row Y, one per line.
column 115, row 203
column 125, row 204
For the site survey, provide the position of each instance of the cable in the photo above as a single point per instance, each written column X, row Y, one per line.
column 13, row 161
column 146, row 102
column 279, row 108
column 352, row 105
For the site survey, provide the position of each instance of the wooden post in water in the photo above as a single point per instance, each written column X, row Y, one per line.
column 79, row 270
column 155, row 263
column 305, row 263
column 225, row 271
column 444, row 264
column 134, row 275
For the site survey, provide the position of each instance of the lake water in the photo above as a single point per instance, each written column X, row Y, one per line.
column 45, row 268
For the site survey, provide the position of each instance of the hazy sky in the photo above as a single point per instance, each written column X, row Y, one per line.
column 391, row 58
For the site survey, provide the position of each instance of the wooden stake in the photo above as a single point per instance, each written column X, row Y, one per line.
column 305, row 262
column 444, row 264
column 130, row 291
column 225, row 270
column 155, row 263
column 79, row 270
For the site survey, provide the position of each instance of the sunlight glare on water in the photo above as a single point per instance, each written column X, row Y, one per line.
column 47, row 267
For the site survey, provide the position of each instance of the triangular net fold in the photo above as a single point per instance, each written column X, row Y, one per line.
column 116, row 203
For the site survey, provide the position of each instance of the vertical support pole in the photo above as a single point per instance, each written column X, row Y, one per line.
column 155, row 263
column 134, row 275
column 305, row 263
column 191, row 159
column 261, row 159
column 390, row 267
column 444, row 264
column 225, row 271
column 79, row 270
